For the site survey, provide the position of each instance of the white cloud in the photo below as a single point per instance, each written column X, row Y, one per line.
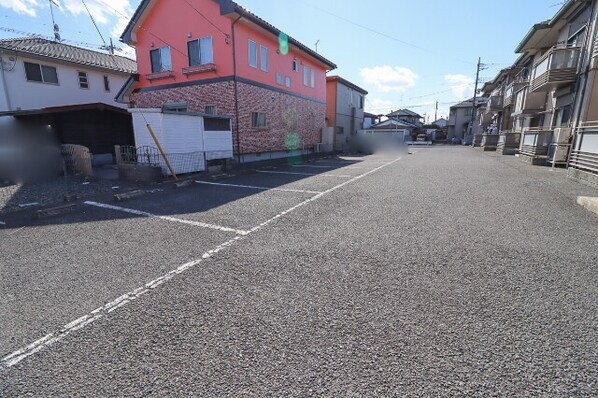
column 378, row 106
column 461, row 85
column 389, row 78
column 113, row 14
column 21, row 6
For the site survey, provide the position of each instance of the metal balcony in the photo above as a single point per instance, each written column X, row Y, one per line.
column 511, row 90
column 584, row 154
column 494, row 104
column 558, row 67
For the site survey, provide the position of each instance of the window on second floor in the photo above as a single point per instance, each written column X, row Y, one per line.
column 288, row 81
column 106, row 83
column 361, row 100
column 161, row 60
column 252, row 53
column 305, row 76
column 200, row 51
column 41, row 73
column 264, row 58
column 83, row 80
column 313, row 78
column 279, row 78
column 295, row 65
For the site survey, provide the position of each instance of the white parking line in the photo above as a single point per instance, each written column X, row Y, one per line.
column 18, row 355
column 304, row 174
column 167, row 218
column 329, row 167
column 254, row 187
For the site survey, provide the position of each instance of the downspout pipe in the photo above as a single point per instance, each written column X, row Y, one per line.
column 3, row 77
column 236, row 88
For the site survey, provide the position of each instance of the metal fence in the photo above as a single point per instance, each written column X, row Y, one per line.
column 188, row 162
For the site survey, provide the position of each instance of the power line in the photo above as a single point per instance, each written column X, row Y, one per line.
column 206, row 18
column 94, row 22
column 382, row 33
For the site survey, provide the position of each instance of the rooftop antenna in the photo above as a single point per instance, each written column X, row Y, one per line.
column 54, row 24
column 317, row 45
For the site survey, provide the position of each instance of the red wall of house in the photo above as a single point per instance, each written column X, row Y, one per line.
column 168, row 25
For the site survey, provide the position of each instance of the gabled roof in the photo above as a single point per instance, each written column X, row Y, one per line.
column 227, row 7
column 389, row 123
column 404, row 112
column 370, row 115
column 63, row 52
column 469, row 103
column 346, row 83
column 545, row 33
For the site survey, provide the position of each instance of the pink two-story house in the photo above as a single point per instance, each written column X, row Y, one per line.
column 216, row 57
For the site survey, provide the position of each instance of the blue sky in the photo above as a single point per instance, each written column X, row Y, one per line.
column 405, row 53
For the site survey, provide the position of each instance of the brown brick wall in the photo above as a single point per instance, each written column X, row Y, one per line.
column 279, row 108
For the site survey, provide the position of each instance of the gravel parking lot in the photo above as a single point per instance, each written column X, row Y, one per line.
column 446, row 272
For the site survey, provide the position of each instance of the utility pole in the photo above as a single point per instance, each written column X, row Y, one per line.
column 475, row 92
column 436, row 111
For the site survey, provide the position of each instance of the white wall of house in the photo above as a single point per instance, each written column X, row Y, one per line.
column 182, row 137
column 24, row 94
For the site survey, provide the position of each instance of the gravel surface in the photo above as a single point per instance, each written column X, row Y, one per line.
column 449, row 273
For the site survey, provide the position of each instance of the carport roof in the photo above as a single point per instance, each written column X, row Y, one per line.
column 61, row 109
column 40, row 47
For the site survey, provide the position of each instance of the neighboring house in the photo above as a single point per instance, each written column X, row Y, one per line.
column 398, row 127
column 344, row 109
column 442, row 122
column 369, row 119
column 237, row 64
column 460, row 118
column 69, row 91
column 405, row 115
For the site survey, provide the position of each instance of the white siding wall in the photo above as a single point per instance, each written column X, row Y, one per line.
column 182, row 138
column 34, row 95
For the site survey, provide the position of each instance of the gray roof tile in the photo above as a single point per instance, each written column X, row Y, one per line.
column 67, row 53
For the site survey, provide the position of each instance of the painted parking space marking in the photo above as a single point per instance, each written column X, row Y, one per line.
column 329, row 167
column 167, row 218
column 304, row 174
column 255, row 187
column 120, row 302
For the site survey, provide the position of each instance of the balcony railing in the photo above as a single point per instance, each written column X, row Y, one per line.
column 556, row 68
column 536, row 141
column 511, row 91
column 494, row 103
column 584, row 155
column 508, row 143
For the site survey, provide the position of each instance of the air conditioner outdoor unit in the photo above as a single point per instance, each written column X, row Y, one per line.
column 561, row 135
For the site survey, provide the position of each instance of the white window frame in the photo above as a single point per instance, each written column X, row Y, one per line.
column 209, row 59
column 106, row 81
column 264, row 65
column 279, row 79
column 163, row 68
column 287, row 81
column 41, row 72
column 313, row 78
column 257, row 122
column 249, row 44
column 83, row 79
column 305, row 76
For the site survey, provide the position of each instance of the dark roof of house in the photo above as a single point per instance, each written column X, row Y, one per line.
column 404, row 112
column 64, row 52
column 346, row 83
column 371, row 115
column 469, row 103
column 229, row 7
